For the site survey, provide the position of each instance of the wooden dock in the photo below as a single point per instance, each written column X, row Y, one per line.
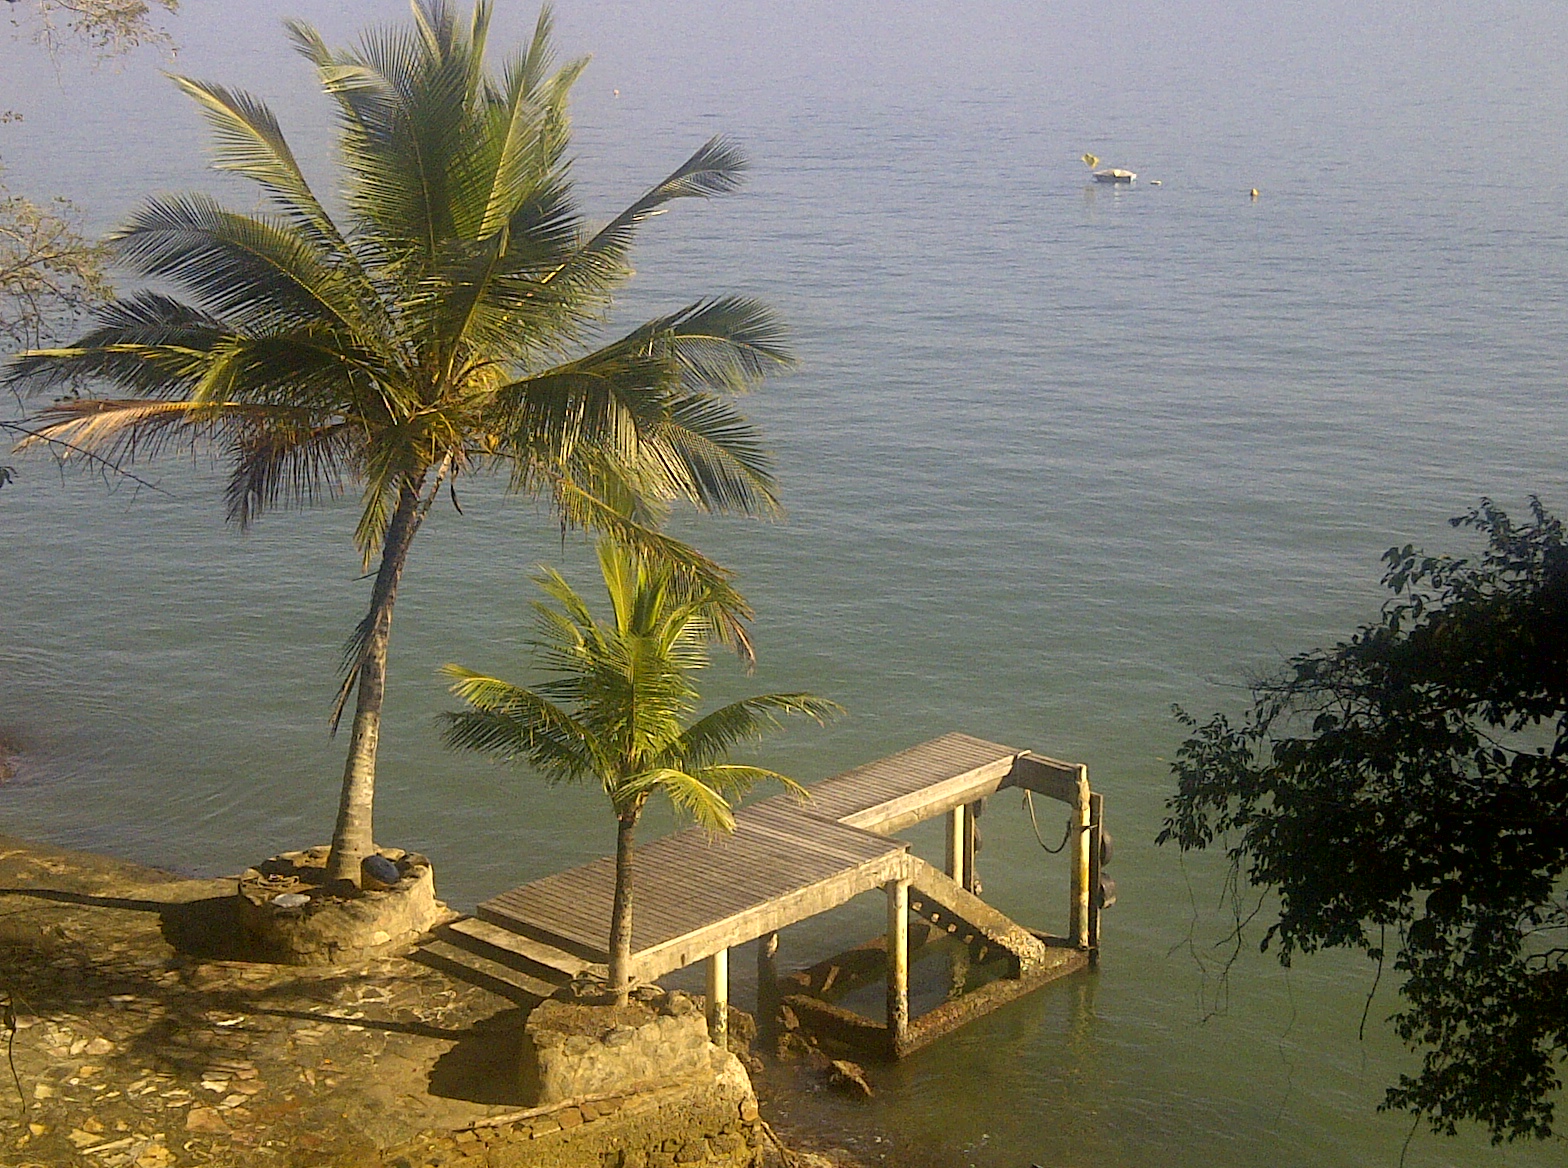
column 696, row 897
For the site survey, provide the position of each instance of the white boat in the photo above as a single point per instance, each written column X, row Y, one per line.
column 1114, row 175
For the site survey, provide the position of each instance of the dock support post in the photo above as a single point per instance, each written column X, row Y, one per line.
column 971, row 880
column 1096, row 832
column 956, row 825
column 768, row 987
column 1078, row 907
column 897, row 966
column 719, row 999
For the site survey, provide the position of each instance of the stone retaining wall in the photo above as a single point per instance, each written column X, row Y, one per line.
column 708, row 1118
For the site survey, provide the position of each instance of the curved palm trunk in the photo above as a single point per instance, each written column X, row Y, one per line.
column 621, row 912
column 352, row 838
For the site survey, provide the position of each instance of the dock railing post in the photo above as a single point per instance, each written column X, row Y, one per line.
column 955, row 844
column 1078, row 906
column 768, row 987
column 719, row 999
column 897, row 966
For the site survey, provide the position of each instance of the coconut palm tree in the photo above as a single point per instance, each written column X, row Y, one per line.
column 619, row 710
column 442, row 324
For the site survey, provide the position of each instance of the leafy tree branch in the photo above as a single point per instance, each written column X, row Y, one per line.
column 50, row 272
column 105, row 28
column 1405, row 794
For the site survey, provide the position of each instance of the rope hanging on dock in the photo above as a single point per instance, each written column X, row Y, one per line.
column 1066, row 833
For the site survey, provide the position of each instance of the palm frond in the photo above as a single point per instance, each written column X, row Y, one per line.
column 527, row 127
column 510, row 723
column 637, row 404
column 478, row 39
column 730, row 610
column 688, row 794
column 715, row 169
column 714, row 457
column 530, row 77
column 729, row 343
column 150, row 344
column 356, row 88
column 257, row 272
column 123, row 431
column 716, row 734
column 436, row 23
column 250, row 142
column 558, row 588
column 409, row 145
column 534, row 65
column 541, row 227
column 447, row 302
column 583, row 405
column 291, row 461
column 733, row 780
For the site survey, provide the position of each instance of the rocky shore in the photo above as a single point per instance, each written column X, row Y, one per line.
column 141, row 1040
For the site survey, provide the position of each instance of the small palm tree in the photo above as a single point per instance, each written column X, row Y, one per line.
column 441, row 326
column 619, row 710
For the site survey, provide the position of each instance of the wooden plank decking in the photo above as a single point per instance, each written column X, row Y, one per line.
column 913, row 785
column 787, row 860
column 694, row 895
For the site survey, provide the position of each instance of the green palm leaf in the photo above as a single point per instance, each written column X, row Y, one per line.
column 260, row 273
column 687, row 793
column 715, row 735
column 513, row 723
column 618, row 707
column 715, row 169
column 249, row 142
column 734, row 780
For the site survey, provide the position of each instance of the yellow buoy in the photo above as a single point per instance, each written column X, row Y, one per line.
column 1254, row 192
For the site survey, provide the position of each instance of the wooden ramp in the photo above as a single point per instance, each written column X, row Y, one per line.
column 696, row 897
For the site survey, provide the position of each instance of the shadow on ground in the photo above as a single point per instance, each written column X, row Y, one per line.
column 137, row 1013
column 482, row 1066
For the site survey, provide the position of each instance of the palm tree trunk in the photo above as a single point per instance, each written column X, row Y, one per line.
column 621, row 911
column 352, row 838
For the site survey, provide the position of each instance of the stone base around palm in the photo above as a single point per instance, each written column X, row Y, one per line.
column 288, row 912
column 583, row 1048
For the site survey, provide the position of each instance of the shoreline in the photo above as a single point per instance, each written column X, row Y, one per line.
column 141, row 1041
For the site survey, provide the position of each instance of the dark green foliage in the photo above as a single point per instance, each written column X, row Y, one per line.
column 1408, row 788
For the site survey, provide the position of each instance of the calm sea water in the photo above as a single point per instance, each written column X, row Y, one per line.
column 1057, row 457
